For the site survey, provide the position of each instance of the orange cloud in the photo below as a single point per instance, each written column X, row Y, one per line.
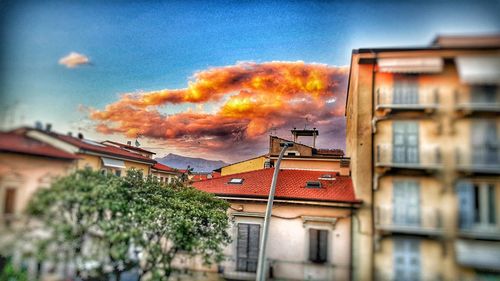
column 253, row 98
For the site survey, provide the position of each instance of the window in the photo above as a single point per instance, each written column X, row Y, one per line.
column 313, row 184
column 9, row 201
column 118, row 173
column 405, row 89
column 247, row 248
column 484, row 94
column 477, row 206
column 236, row 181
column 485, row 143
column 405, row 142
column 406, row 202
column 406, row 259
column 318, row 245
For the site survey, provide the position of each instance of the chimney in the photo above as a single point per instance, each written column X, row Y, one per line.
column 48, row 127
column 38, row 125
column 80, row 136
column 70, row 134
column 129, row 143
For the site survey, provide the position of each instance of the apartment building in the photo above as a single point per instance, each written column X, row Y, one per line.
column 423, row 135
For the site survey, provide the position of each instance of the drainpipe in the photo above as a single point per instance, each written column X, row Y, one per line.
column 261, row 266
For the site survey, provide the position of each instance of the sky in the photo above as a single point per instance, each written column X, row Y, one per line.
column 210, row 79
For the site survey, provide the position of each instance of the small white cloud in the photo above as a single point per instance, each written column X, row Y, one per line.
column 332, row 100
column 74, row 59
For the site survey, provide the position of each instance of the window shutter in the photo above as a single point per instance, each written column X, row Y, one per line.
column 466, row 204
column 313, row 245
column 10, row 201
column 323, row 245
column 242, row 247
column 253, row 247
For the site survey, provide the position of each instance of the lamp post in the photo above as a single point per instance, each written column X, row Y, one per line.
column 261, row 266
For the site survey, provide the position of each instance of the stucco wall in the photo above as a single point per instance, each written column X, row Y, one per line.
column 27, row 174
column 245, row 166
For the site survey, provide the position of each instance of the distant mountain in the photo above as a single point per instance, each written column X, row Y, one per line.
column 198, row 164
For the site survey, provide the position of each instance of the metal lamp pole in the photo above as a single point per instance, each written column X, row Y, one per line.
column 261, row 266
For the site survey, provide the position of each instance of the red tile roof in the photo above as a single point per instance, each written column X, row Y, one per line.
column 88, row 145
column 126, row 146
column 19, row 143
column 291, row 185
column 161, row 167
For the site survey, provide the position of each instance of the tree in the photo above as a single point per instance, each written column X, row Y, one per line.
column 117, row 224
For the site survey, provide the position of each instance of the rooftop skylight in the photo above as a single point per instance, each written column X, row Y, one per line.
column 236, row 181
column 313, row 184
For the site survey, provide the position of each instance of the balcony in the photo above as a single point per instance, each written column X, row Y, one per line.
column 423, row 100
column 280, row 269
column 483, row 255
column 385, row 274
column 426, row 222
column 480, row 160
column 426, row 157
column 483, row 99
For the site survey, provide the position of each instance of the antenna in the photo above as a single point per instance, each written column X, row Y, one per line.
column 272, row 130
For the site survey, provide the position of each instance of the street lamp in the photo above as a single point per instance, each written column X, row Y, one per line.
column 261, row 266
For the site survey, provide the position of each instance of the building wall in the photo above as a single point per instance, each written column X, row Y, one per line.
column 244, row 166
column 288, row 244
column 275, row 148
column 164, row 177
column 359, row 149
column 94, row 162
column 314, row 164
column 27, row 174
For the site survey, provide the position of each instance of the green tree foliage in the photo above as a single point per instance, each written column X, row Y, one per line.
column 106, row 225
column 11, row 273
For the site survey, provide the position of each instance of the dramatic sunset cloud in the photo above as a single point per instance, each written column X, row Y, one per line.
column 73, row 60
column 252, row 99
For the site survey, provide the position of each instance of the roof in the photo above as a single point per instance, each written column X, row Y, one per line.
column 165, row 168
column 93, row 146
column 291, row 185
column 253, row 158
column 19, row 143
column 445, row 42
column 122, row 145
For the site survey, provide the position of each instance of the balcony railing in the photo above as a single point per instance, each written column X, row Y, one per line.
column 465, row 102
column 385, row 274
column 478, row 160
column 423, row 157
column 424, row 221
column 279, row 269
column 425, row 99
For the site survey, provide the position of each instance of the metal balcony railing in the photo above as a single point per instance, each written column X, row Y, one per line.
column 468, row 103
column 279, row 269
column 478, row 160
column 424, row 99
column 388, row 274
column 421, row 157
column 423, row 220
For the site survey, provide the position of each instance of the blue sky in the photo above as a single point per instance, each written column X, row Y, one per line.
column 152, row 45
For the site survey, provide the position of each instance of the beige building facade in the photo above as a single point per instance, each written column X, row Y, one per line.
column 423, row 135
